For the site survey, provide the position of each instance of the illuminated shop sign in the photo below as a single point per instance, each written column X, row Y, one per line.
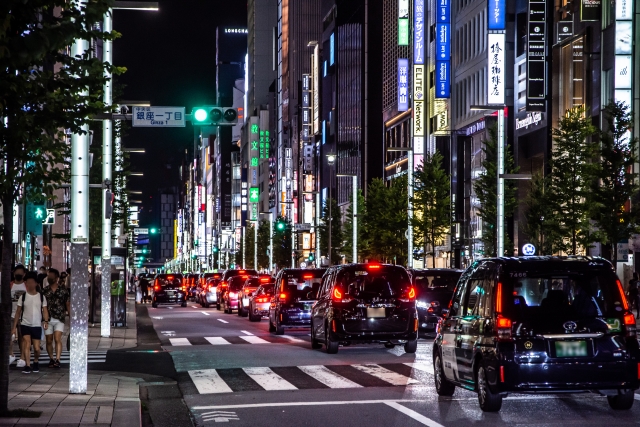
column 532, row 119
column 418, row 101
column 443, row 50
column 497, row 15
column 565, row 30
column 443, row 42
column 624, row 10
column 624, row 66
column 403, row 84
column 443, row 79
column 590, row 10
column 419, row 31
column 496, row 72
column 403, row 22
column 536, row 65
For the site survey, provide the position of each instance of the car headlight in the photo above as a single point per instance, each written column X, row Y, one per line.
column 422, row 304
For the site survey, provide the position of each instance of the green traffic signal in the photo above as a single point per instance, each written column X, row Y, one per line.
column 280, row 226
column 200, row 115
column 215, row 249
column 153, row 230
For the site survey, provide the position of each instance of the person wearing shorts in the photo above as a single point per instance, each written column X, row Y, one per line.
column 33, row 315
column 17, row 289
column 57, row 297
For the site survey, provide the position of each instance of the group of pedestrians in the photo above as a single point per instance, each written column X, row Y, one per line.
column 40, row 302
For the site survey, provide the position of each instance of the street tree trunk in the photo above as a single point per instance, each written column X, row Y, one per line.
column 5, row 299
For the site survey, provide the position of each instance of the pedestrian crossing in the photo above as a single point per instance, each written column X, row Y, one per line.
column 94, row 356
column 238, row 339
column 233, row 380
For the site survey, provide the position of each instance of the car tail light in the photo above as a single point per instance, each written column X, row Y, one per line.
column 373, row 266
column 184, row 288
column 307, row 276
column 169, row 277
column 430, row 310
column 411, row 295
column 338, row 296
column 241, row 271
column 503, row 327
column 499, row 298
column 501, row 374
column 629, row 325
column 264, row 279
column 156, row 288
column 282, row 297
column 262, row 299
column 625, row 304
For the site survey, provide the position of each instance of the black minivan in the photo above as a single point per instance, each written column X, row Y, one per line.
column 365, row 303
column 295, row 292
column 543, row 324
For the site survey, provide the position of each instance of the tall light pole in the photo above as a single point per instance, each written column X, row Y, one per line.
column 354, row 212
column 331, row 160
column 255, row 246
column 270, row 238
column 409, row 152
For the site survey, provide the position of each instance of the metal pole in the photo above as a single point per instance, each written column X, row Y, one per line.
column 500, row 225
column 355, row 218
column 318, row 208
column 410, row 209
column 244, row 247
column 270, row 241
column 79, row 315
column 330, row 228
column 107, row 164
column 293, row 241
column 255, row 246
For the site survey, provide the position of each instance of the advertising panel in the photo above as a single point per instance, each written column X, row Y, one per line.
column 536, row 65
column 403, row 84
column 418, row 101
column 419, row 40
column 590, row 10
column 496, row 65
column 443, row 79
column 497, row 14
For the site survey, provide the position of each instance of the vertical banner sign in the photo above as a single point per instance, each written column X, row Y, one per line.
column 254, row 155
column 316, row 89
column 497, row 15
column 495, row 76
column 536, row 53
column 307, row 146
column 419, row 114
column 403, row 22
column 590, row 10
column 623, row 79
column 443, row 50
column 244, row 197
column 418, row 31
column 403, row 84
column 418, row 101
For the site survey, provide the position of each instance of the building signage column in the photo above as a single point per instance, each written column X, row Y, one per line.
column 419, row 113
column 623, row 68
column 403, row 84
column 536, row 55
column 254, row 156
column 443, row 50
column 403, row 22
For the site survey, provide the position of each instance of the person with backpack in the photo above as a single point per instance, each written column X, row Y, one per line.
column 57, row 297
column 18, row 288
column 33, row 315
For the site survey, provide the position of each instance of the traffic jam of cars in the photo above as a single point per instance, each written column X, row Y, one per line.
column 525, row 325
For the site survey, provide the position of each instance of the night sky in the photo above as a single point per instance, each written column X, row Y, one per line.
column 170, row 61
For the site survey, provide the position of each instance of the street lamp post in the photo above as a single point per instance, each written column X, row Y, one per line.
column 270, row 238
column 354, row 211
column 409, row 152
column 331, row 160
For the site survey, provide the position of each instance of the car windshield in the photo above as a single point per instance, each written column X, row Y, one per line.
column 437, row 281
column 300, row 283
column 581, row 295
column 367, row 283
column 265, row 289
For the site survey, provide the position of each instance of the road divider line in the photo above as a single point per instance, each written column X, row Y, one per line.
column 217, row 340
column 421, row 366
column 323, row 403
column 268, row 379
column 179, row 341
column 386, row 375
column 207, row 381
column 205, row 313
column 328, row 377
column 413, row 414
column 223, row 321
column 254, row 340
column 246, row 332
column 194, row 306
column 294, row 339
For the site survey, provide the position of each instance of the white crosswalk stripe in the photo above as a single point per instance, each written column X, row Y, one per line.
column 422, row 366
column 254, row 340
column 217, row 340
column 328, row 377
column 209, row 382
column 179, row 341
column 268, row 379
column 386, row 375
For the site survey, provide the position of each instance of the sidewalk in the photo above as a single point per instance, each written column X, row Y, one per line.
column 112, row 399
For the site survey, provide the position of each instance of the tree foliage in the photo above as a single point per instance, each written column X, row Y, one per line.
column 431, row 204
column 282, row 243
column 263, row 244
column 615, row 181
column 571, row 173
column 337, row 235
column 41, row 97
column 541, row 223
column 486, row 188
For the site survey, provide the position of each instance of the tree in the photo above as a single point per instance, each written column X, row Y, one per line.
column 41, row 87
column 486, row 188
column 337, row 235
column 431, row 204
column 282, row 242
column 571, row 175
column 615, row 181
column 541, row 221
column 361, row 232
column 263, row 244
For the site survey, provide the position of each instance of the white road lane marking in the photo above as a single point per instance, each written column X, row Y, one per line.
column 386, row 375
column 254, row 340
column 422, row 366
column 294, row 339
column 413, row 414
column 205, row 313
column 194, row 306
column 217, row 340
column 268, row 379
column 207, row 381
column 220, row 416
column 179, row 341
column 157, row 317
column 246, row 332
column 328, row 377
column 282, row 404
column 223, row 321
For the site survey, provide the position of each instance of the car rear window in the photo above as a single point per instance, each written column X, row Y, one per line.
column 438, row 281
column 578, row 295
column 383, row 282
column 236, row 285
column 265, row 289
column 300, row 283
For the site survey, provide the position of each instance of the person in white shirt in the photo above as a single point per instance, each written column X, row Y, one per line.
column 33, row 315
column 17, row 289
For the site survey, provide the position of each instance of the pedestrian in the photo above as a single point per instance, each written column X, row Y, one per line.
column 42, row 277
column 18, row 288
column 57, row 297
column 634, row 293
column 33, row 315
column 144, row 288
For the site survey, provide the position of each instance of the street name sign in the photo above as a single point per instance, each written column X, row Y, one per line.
column 140, row 231
column 158, row 117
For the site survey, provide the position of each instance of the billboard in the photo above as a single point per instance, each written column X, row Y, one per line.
column 403, row 84
column 497, row 15
column 419, row 40
column 496, row 64
column 418, row 101
column 536, row 56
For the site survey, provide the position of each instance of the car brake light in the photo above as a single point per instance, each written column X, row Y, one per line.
column 264, row 279
column 307, row 276
column 412, row 293
column 169, row 277
column 501, row 374
column 625, row 304
column 499, row 298
column 156, row 288
column 373, row 266
column 629, row 319
column 232, row 294
column 629, row 325
column 283, row 296
column 430, row 309
column 241, row 271
column 337, row 295
column 503, row 328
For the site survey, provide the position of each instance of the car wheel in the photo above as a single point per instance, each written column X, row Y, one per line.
column 253, row 318
column 411, row 346
column 332, row 346
column 389, row 345
column 488, row 400
column 154, row 304
column 622, row 401
column 217, row 306
column 240, row 311
column 271, row 327
column 443, row 386
column 279, row 328
column 315, row 344
column 206, row 305
column 184, row 304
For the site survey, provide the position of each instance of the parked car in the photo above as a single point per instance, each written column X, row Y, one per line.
column 434, row 288
column 538, row 325
column 365, row 303
column 228, row 274
column 229, row 300
column 208, row 295
column 168, row 289
column 248, row 289
column 260, row 301
column 296, row 291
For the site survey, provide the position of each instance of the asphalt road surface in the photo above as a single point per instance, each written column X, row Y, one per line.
column 230, row 370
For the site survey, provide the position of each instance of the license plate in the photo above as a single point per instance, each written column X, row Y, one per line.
column 571, row 349
column 376, row 312
column 307, row 306
column 171, row 293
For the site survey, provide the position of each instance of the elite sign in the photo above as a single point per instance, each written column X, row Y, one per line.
column 158, row 117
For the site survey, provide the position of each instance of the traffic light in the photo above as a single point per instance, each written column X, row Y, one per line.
column 36, row 214
column 215, row 249
column 153, row 230
column 108, row 204
column 212, row 115
column 280, row 225
column 312, row 257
